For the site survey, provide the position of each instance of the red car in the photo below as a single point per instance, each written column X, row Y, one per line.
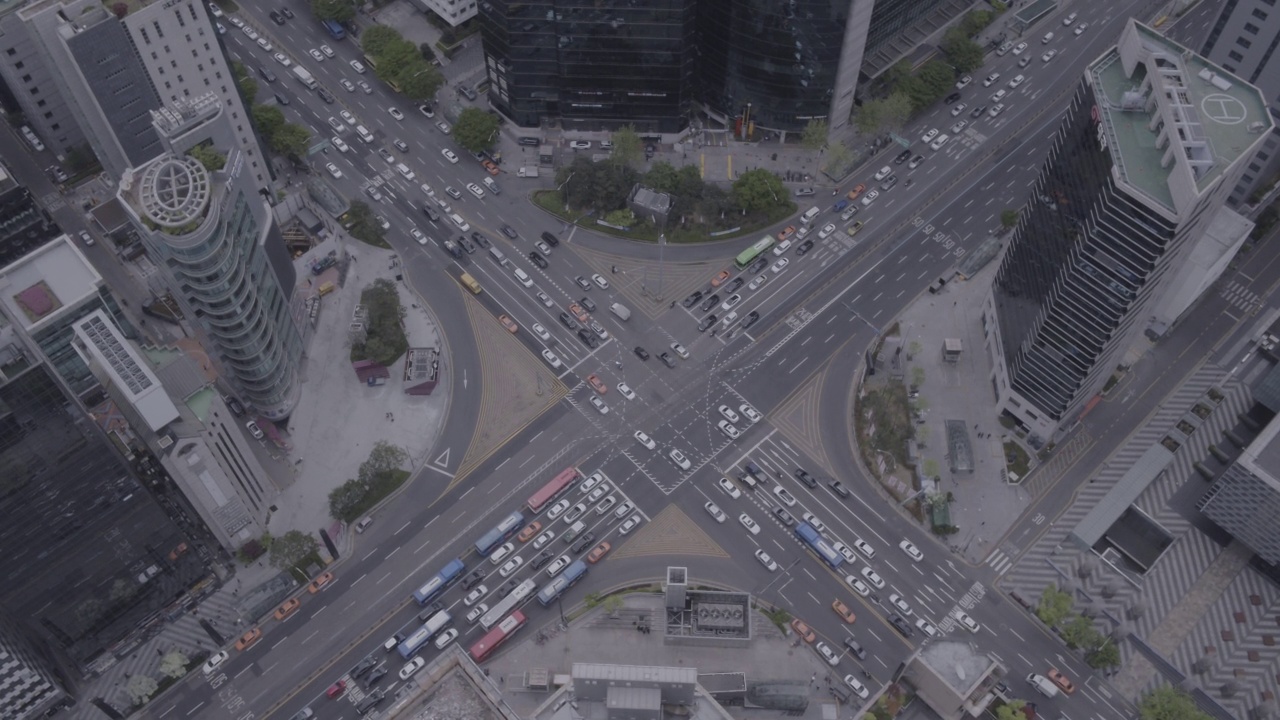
column 336, row 689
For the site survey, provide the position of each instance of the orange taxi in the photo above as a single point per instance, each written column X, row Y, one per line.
column 287, row 608
column 1061, row 680
column 576, row 310
column 597, row 384
column 787, row 232
column 529, row 531
column 600, row 551
column 508, row 323
column 248, row 639
column 490, row 167
column 324, row 579
column 805, row 632
column 843, row 611
column 719, row 278
column 857, row 190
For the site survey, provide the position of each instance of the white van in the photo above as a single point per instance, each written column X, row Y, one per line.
column 810, row 214
column 405, row 172
column 457, row 220
column 1048, row 38
column 523, row 277
column 497, row 254
column 1041, row 683
column 364, row 133
column 620, row 310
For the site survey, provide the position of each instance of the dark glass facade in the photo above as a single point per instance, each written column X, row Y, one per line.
column 891, row 18
column 86, row 550
column 1077, row 269
column 24, row 226
column 780, row 56
column 593, row 66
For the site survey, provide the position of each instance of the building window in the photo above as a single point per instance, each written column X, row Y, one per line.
column 42, row 102
column 1260, row 14
column 1228, row 68
column 159, row 32
column 19, row 65
column 1243, row 43
column 1235, row 56
column 35, row 91
column 56, row 126
column 154, row 55
column 48, row 115
column 1255, row 167
column 145, row 37
column 1251, row 28
column 26, row 78
column 11, row 52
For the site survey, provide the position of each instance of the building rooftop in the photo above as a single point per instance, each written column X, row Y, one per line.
column 38, row 286
column 959, row 664
column 1174, row 121
column 1262, row 457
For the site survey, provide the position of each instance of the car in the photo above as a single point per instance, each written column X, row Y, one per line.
column 364, row 667
column 901, row 625
column 787, row 498
column 377, row 674
column 953, row 97
column 316, row 55
column 857, row 687
column 480, row 240
column 1019, row 48
column 667, row 360
column 706, row 322
column 840, row 205
column 728, row 413
column 287, row 608
column 567, row 320
column 679, row 459
column 282, row 59
column 492, row 169
column 731, row 302
column 939, row 141
column 728, row 429
column 411, row 667
column 336, row 689
column 902, row 157
column 857, row 585
column 750, row 413
column 729, row 488
column 509, row 231
column 959, row 126
column 1048, row 56
column 474, row 189
column 856, row 191
column 766, row 561
column 214, row 661
column 596, row 384
column 551, row 359
column 864, row 548
column 803, row 192
column 844, row 612
column 709, row 302
column 845, row 551
column 1017, row 81
column 827, row 231
column 395, row 113
column 1066, row 21
column 692, row 300
column 598, row 552
column 606, row 505
column 963, row 82
column 901, row 604
column 422, row 239
column 337, row 125
column 540, row 331
column 629, row 525
column 623, row 389
column 883, row 173
column 641, row 353
column 930, row 135
column 977, row 112
column 333, row 170
column 473, row 578
column 959, row 108
column 679, row 350
column 871, row 196
column 1024, row 61
column 546, row 537
column 785, row 517
column 786, row 232
column 357, row 66
column 265, row 44
column 911, row 550
column 347, row 85
column 779, row 266
column 582, row 282
column 558, row 509
column 714, row 511
column 1057, row 678
column 385, row 155
column 393, row 642
column 802, row 630
column 372, row 192
column 915, row 162
column 751, row 525
column 645, row 440
column 448, row 155
column 588, row 304
column 536, row 258
column 453, row 192
column 873, row 578
column 996, row 109
column 600, row 282
column 803, row 476
column 339, row 144
column 831, row 656
column 584, row 542
column 511, row 566
column 965, row 621
column 927, row 627
column 474, row 596
column 1081, row 28
column 403, row 147
column 543, row 248
column 596, row 401
column 579, row 145
column 838, row 488
column 814, row 521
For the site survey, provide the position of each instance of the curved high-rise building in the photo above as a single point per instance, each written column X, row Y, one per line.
column 213, row 236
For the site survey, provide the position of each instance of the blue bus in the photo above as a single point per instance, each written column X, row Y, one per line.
column 437, row 584
column 495, row 537
column 819, row 545
column 414, row 642
column 556, row 588
column 335, row 29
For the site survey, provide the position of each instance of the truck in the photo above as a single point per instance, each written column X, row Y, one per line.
column 529, row 171
column 304, row 76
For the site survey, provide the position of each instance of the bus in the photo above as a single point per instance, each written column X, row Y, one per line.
column 748, row 256
column 508, row 603
column 552, row 490
column 334, row 29
column 470, row 283
column 414, row 642
column 485, row 646
column 439, row 582
column 495, row 537
column 554, row 589
column 819, row 545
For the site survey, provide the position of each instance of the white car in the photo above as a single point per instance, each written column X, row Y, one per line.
column 512, row 565
column 1081, row 28
column 540, row 331
column 766, row 561
column 448, row 155
column 214, row 661
column 827, row 653
column 857, row 585
column 645, row 440
column 680, row 460
column 963, row 618
column 728, row 429
column 411, row 667
column 357, row 66
column 939, row 141
column 606, row 505
column 858, row 688
column 787, row 498
column 541, row 541
column 333, row 170
column 558, row 509
column 502, row 553
column 911, row 550
column 545, row 299
column 386, row 224
column 328, row 51
column 215, row 11
column 236, row 21
column 755, row 284
column 600, row 282
column 714, row 511
column 316, row 55
column 779, row 266
column 960, row 125
column 599, row 405
column 340, row 144
column 417, row 235
column 749, row 524
column 476, row 613
column 959, row 108
column 629, row 525
column 992, row 79
column 445, row 638
column 728, row 413
column 592, row 480
column 474, row 189
column 337, row 125
column 679, row 350
column 283, row 59
column 1049, row 56
column 927, row 627
column 580, row 145
column 873, row 577
column 443, row 126
column 729, row 488
column 871, row 196
column 750, row 413
column 899, row 602
column 625, row 391
column 929, row 136
column 474, row 596
column 731, row 302
column 265, row 45
column 1066, row 21
column 1020, row 48
column 572, row 516
column 995, row 110
column 845, row 551
column 964, row 82
column 347, row 85
column 864, row 548
column 814, row 522
column 560, row 563
column 1017, row 81
column 551, row 359
column 395, row 113
column 827, row 231
column 348, row 117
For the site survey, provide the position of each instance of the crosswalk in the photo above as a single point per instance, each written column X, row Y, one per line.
column 1240, row 296
column 1000, row 561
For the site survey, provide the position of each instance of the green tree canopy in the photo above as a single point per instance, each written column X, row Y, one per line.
column 1054, row 606
column 290, row 548
column 975, row 21
column 602, row 187
column 1079, row 632
column 814, row 135
column 1167, row 703
column 209, row 157
column 869, row 118
column 1008, row 219
column 1108, row 655
column 140, row 688
column 245, row 82
column 475, row 129
column 377, row 39
column 364, row 227
column 384, row 458
column 269, row 119
column 419, row 80
column 173, row 664
column 345, row 499
column 340, row 10
column 965, row 55
column 291, row 140
column 758, row 191
column 838, row 158
column 1012, row 710
column 626, row 146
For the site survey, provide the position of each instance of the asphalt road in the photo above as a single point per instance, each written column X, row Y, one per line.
column 819, row 306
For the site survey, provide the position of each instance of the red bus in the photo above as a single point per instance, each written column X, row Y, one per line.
column 552, row 490
column 485, row 646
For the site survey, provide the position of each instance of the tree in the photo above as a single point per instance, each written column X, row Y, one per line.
column 662, row 177
column 344, row 500
column 211, row 159
column 362, row 225
column 290, row 548
column 141, row 688
column 245, row 82
column 378, row 39
column 895, row 111
column 419, row 80
column 868, row 118
column 340, row 10
column 974, row 22
column 938, row 77
column 1054, row 606
column 1008, row 219
column 612, row 604
column 1104, row 657
column 1168, row 703
column 269, row 120
column 384, row 457
column 475, row 129
column 1012, row 710
column 1079, row 632
column 897, row 73
column 626, row 146
column 174, row 664
column 965, row 55
column 428, row 53
column 814, row 135
column 838, row 157
column 291, row 140
column 758, row 191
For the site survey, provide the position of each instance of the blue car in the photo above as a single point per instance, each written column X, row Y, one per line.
column 840, row 206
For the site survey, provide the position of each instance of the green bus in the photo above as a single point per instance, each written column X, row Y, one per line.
column 748, row 256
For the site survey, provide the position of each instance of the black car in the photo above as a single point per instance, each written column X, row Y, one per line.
column 364, row 666
column 709, row 302
column 472, row 580
column 325, row 95
column 431, row 213
column 281, row 99
column 286, row 12
column 541, row 559
column 804, row 477
column 430, row 610
column 804, row 247
column 750, row 319
column 377, row 674
column 584, row 542
column 276, row 17
column 855, row 648
column 734, row 285
column 582, row 282
column 529, row 141
column 707, row 322
column 641, row 353
column 952, row 98
column 587, row 304
column 550, row 239
column 903, row 156
column 758, row 266
column 267, row 74
column 369, row 702
column 467, row 244
column 784, row 516
column 234, row 405
column 977, row 112
column 588, row 338
column 902, row 626
column 507, row 587
column 480, row 240
column 509, row 231
column 838, row 488
column 667, row 359
column 536, row 258
column 567, row 320
column 692, row 299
